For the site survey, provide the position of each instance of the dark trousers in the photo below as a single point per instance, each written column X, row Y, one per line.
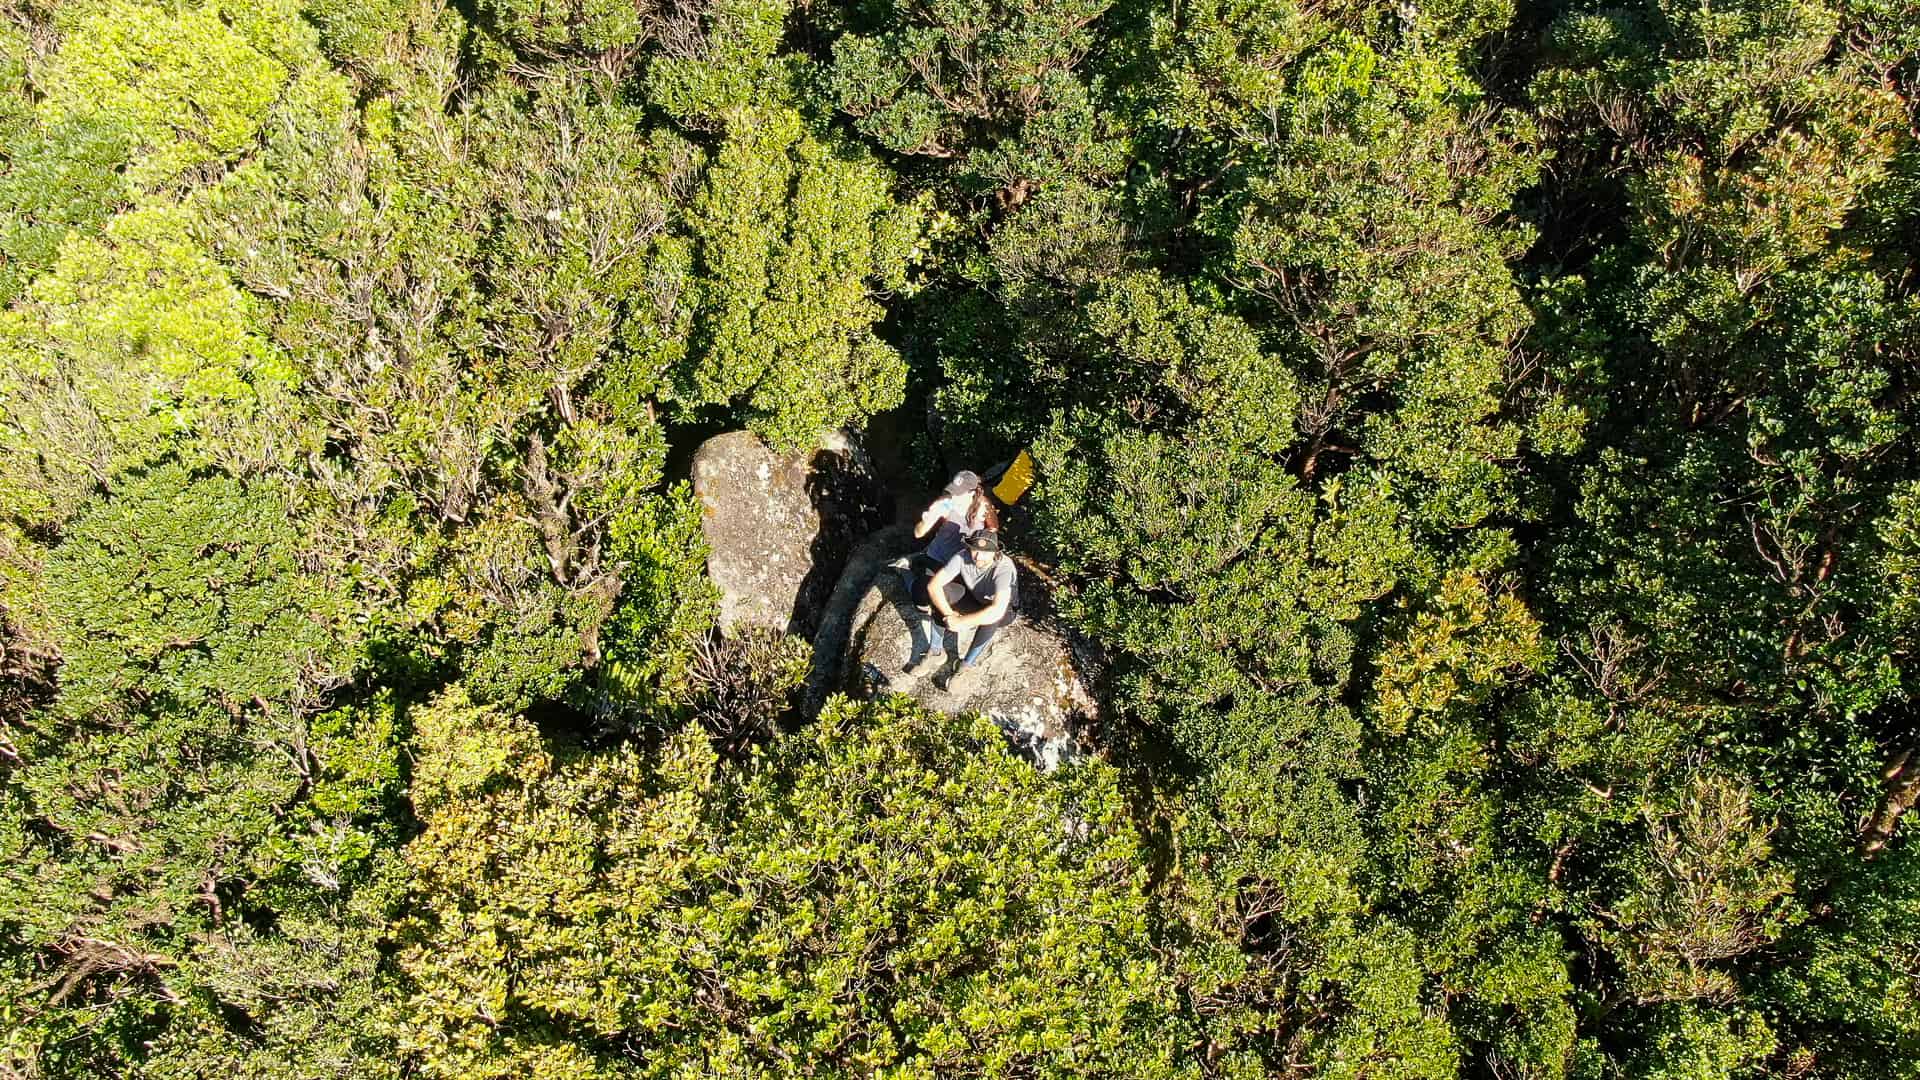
column 964, row 602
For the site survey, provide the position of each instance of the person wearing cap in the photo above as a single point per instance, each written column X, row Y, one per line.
column 962, row 510
column 977, row 588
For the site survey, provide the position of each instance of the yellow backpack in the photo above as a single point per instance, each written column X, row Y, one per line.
column 1015, row 481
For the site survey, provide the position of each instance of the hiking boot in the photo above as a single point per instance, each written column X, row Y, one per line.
column 927, row 662
column 944, row 680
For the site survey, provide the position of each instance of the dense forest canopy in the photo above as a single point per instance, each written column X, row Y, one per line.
column 1482, row 439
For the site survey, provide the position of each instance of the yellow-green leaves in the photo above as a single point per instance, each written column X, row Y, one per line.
column 888, row 891
column 189, row 92
column 721, row 69
column 544, row 26
column 1456, row 653
column 460, row 747
column 135, row 344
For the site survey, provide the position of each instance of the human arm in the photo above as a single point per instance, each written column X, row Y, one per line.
column 937, row 591
column 989, row 614
column 996, row 609
column 931, row 518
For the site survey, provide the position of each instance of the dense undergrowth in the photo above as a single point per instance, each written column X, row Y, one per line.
column 1482, row 437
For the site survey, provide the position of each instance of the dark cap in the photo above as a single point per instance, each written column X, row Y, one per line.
column 963, row 482
column 984, row 540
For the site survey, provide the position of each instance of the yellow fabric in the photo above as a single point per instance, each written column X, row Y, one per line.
column 1015, row 481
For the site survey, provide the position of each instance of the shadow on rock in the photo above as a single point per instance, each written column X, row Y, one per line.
column 779, row 526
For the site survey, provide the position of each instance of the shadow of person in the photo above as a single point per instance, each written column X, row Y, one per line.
column 847, row 503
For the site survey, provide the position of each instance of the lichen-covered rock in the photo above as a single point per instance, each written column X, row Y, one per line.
column 1029, row 682
column 779, row 526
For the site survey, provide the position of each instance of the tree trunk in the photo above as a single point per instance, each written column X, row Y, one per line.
column 1902, row 778
column 549, row 515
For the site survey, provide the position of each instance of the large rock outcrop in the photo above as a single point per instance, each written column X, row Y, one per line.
column 780, row 526
column 1030, row 682
column 796, row 546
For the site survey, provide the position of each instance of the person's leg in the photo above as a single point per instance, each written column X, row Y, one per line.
column 957, row 598
column 914, row 570
column 965, row 604
column 983, row 637
column 930, row 626
column 921, row 620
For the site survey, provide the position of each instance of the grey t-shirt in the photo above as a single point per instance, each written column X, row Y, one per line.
column 984, row 583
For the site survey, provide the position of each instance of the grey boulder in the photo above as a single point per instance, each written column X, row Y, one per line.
column 779, row 525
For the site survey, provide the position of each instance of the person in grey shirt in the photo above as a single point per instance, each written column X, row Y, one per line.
column 977, row 588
